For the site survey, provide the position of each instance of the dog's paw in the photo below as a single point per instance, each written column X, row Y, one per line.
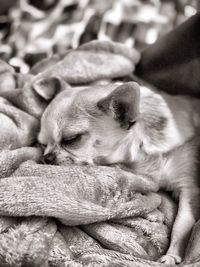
column 155, row 216
column 170, row 259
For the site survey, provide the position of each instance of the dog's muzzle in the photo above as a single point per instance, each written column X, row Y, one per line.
column 49, row 158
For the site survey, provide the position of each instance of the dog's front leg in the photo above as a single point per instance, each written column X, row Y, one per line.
column 185, row 220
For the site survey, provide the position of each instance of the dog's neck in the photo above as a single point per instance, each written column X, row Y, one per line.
column 165, row 122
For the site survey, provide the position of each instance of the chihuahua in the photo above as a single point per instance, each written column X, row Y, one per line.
column 151, row 133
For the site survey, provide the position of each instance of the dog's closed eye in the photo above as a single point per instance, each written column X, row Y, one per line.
column 71, row 141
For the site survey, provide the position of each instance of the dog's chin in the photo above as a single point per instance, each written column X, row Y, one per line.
column 100, row 160
column 69, row 161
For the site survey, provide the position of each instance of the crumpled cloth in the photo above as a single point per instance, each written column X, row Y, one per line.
column 61, row 215
column 75, row 215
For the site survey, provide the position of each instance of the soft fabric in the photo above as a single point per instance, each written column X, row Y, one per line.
column 104, row 215
column 76, row 215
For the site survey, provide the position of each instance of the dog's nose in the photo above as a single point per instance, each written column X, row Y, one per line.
column 49, row 158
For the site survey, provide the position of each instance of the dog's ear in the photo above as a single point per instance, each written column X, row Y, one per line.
column 48, row 87
column 123, row 104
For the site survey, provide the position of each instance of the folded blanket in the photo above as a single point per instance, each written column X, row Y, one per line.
column 75, row 215
column 74, row 195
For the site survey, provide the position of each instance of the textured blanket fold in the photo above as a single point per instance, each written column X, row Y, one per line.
column 76, row 215
column 77, row 196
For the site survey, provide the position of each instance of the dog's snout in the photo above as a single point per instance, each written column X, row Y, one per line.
column 49, row 158
column 69, row 160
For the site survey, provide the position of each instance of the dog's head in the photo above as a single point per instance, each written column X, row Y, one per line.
column 91, row 124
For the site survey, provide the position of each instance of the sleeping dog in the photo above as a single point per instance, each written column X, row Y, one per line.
column 151, row 133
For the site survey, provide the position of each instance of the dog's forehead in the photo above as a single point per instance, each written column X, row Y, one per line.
column 71, row 106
